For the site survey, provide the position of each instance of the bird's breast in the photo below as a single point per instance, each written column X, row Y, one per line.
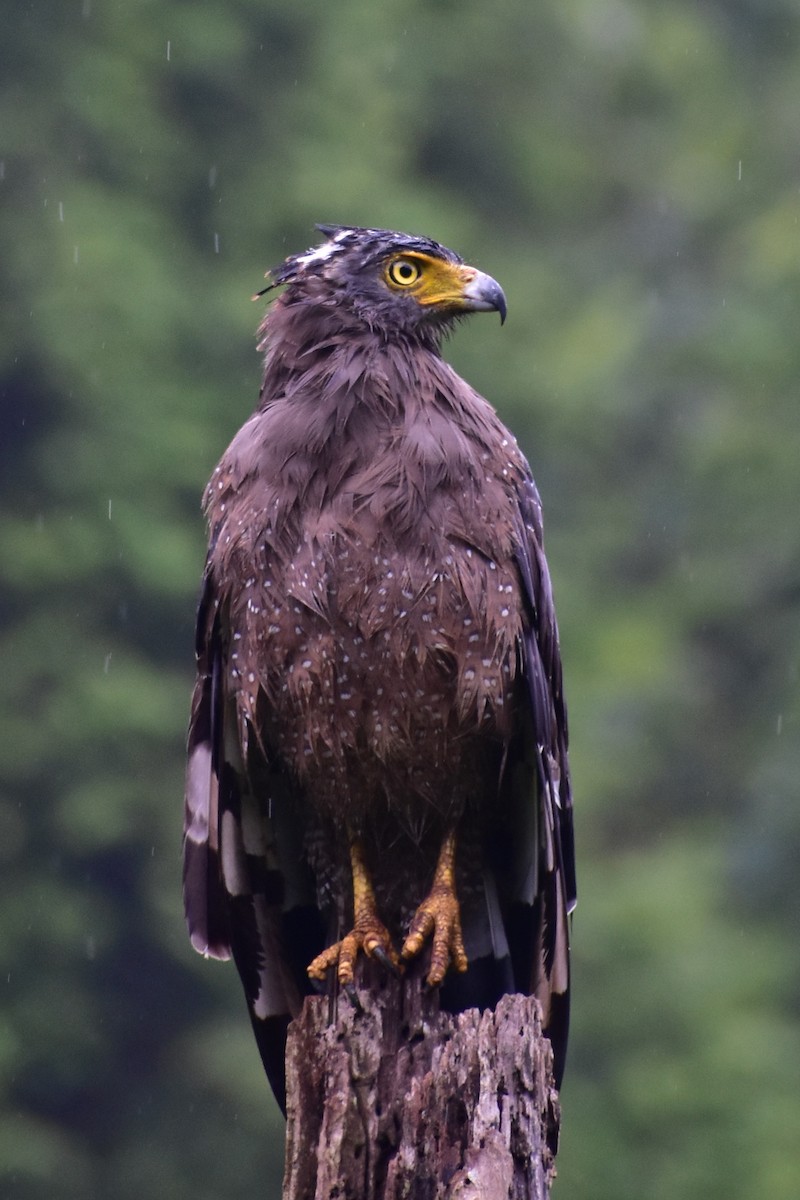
column 368, row 658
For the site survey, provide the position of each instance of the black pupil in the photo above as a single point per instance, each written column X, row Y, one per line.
column 405, row 271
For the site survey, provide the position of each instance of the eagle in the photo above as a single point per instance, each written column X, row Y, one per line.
column 377, row 750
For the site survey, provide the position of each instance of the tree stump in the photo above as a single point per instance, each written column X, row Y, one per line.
column 391, row 1099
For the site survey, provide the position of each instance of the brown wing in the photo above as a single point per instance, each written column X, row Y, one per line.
column 544, row 870
column 205, row 898
column 246, row 893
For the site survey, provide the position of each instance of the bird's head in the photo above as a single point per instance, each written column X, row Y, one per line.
column 394, row 283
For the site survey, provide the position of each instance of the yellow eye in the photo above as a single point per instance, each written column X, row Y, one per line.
column 403, row 272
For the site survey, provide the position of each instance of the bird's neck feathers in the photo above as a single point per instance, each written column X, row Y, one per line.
column 345, row 410
column 336, row 396
column 312, row 341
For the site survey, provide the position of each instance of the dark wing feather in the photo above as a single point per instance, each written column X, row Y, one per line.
column 245, row 891
column 546, row 894
column 204, row 896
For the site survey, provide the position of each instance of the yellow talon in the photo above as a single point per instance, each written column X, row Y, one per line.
column 439, row 915
column 369, row 934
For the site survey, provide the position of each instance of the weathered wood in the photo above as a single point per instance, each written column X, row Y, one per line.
column 389, row 1099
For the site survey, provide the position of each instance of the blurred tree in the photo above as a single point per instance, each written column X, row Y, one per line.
column 628, row 170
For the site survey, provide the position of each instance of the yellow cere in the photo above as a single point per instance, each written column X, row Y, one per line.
column 429, row 280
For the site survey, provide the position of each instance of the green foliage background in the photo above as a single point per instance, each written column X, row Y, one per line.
column 629, row 170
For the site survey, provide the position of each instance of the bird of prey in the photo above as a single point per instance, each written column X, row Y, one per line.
column 378, row 738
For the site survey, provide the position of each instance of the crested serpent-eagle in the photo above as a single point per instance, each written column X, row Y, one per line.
column 378, row 738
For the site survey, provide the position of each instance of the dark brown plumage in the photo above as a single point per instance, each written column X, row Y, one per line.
column 378, row 662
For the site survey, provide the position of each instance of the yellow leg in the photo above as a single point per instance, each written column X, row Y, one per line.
column 368, row 934
column 439, row 915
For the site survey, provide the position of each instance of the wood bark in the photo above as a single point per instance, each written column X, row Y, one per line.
column 391, row 1099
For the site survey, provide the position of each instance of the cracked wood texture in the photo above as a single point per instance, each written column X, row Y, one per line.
column 391, row 1099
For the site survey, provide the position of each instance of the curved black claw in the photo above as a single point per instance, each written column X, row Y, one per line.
column 383, row 958
column 350, row 991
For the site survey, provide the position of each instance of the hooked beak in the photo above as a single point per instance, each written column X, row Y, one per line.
column 484, row 294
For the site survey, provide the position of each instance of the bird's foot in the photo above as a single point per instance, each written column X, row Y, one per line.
column 439, row 916
column 368, row 935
